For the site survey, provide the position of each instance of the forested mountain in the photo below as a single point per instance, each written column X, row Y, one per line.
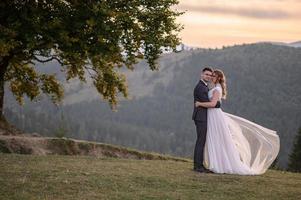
column 263, row 86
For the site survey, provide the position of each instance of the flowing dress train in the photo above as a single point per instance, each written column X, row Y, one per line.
column 235, row 145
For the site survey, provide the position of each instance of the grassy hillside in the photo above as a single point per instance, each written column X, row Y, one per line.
column 263, row 86
column 83, row 177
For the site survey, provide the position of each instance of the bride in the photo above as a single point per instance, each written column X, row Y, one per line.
column 235, row 145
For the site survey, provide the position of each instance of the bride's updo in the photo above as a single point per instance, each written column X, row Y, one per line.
column 221, row 79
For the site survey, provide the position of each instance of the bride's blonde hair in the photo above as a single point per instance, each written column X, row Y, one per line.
column 221, row 79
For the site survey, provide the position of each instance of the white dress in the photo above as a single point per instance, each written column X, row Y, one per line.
column 235, row 145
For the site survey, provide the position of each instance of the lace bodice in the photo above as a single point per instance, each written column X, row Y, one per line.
column 217, row 87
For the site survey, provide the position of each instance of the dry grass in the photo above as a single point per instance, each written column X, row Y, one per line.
column 24, row 144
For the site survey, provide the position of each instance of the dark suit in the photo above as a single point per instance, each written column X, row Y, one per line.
column 199, row 116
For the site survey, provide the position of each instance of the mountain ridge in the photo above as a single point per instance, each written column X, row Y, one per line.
column 262, row 84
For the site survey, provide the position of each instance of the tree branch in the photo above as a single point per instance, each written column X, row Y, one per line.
column 88, row 70
column 47, row 60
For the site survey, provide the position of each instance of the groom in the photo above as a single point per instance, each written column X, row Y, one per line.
column 199, row 116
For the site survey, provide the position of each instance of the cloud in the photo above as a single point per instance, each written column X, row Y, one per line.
column 243, row 12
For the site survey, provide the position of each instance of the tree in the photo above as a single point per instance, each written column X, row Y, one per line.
column 295, row 156
column 94, row 38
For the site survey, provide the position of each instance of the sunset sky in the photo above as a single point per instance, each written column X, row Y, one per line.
column 214, row 23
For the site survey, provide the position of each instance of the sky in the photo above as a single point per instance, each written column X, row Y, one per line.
column 217, row 23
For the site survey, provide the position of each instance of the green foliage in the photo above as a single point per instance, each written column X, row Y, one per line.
column 25, row 80
column 3, row 147
column 62, row 129
column 295, row 156
column 86, row 37
column 60, row 132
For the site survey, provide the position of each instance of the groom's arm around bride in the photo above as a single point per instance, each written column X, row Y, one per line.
column 200, row 118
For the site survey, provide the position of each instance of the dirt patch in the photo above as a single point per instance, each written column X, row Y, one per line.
column 26, row 144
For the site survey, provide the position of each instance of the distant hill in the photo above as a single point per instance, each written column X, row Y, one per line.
column 296, row 44
column 263, row 86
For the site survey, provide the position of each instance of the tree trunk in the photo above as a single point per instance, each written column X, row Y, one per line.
column 4, row 125
column 2, row 118
column 3, row 67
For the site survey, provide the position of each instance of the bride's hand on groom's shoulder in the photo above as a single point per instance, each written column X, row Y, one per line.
column 197, row 104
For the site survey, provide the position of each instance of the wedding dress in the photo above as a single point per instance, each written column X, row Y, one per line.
column 235, row 145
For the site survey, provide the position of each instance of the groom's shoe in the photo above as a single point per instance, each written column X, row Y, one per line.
column 208, row 171
column 200, row 169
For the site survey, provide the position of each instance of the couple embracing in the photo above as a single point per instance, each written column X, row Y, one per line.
column 227, row 143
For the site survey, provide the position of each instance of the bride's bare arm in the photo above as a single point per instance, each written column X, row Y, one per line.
column 210, row 104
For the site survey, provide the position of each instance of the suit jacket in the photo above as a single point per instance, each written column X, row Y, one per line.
column 200, row 93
